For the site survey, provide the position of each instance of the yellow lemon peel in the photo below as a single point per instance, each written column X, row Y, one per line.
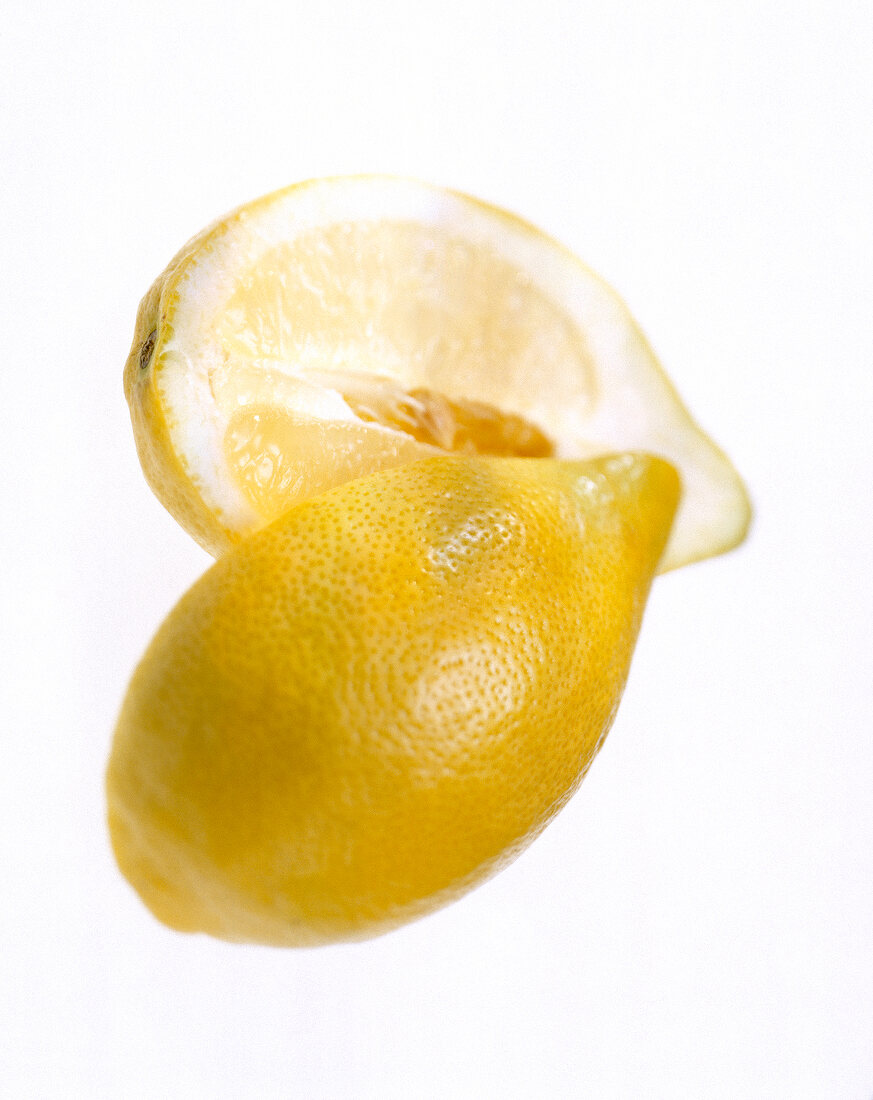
column 374, row 703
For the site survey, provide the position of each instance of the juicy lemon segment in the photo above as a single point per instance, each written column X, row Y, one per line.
column 375, row 702
column 275, row 457
column 406, row 321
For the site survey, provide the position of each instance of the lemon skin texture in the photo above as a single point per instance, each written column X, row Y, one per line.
column 368, row 707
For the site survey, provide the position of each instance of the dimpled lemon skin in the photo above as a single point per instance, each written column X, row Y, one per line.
column 376, row 702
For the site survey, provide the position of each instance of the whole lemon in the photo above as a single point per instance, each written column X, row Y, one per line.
column 372, row 704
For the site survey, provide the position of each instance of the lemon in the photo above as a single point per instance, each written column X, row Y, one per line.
column 345, row 326
column 373, row 703
column 439, row 465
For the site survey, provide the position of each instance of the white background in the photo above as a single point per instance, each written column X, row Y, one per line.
column 699, row 922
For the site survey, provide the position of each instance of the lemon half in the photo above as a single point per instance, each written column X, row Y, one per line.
column 344, row 326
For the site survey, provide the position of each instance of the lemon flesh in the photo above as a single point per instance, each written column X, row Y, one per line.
column 375, row 702
column 345, row 326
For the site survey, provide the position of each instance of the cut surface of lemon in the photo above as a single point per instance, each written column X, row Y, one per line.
column 345, row 326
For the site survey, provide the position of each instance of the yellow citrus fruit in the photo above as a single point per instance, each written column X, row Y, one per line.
column 345, row 326
column 373, row 703
column 438, row 463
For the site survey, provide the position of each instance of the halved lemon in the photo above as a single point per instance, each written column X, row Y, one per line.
column 344, row 326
